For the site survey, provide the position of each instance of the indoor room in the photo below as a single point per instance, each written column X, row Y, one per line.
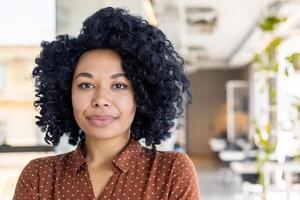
column 213, row 82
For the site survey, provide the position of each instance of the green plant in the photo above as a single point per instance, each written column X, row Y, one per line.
column 297, row 105
column 265, row 139
column 270, row 23
column 265, row 136
column 266, row 60
column 294, row 60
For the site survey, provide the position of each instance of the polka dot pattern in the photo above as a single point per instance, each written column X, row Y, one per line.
column 137, row 175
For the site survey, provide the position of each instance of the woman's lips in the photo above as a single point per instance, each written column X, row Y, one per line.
column 101, row 121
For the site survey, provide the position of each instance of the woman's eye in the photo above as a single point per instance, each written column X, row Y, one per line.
column 120, row 86
column 85, row 85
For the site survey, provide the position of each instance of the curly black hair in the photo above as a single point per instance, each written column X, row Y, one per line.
column 149, row 61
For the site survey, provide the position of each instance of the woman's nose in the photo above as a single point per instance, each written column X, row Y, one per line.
column 101, row 99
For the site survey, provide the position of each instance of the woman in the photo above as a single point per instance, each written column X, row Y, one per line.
column 118, row 82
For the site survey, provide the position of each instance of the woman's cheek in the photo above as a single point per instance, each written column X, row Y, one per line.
column 80, row 101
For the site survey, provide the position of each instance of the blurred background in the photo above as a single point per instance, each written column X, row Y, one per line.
column 242, row 130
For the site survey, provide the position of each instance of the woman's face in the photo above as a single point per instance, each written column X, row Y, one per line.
column 102, row 97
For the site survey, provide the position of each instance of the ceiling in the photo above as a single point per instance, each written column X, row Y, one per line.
column 209, row 34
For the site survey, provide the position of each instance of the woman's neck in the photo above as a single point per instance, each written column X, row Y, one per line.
column 100, row 153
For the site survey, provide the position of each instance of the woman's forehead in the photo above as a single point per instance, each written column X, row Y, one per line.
column 98, row 62
column 91, row 75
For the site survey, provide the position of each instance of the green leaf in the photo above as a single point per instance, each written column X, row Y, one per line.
column 257, row 58
column 294, row 59
column 271, row 47
column 286, row 72
column 269, row 23
column 276, row 67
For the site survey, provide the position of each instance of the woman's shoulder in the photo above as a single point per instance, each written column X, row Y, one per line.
column 174, row 155
column 178, row 158
column 52, row 160
column 171, row 157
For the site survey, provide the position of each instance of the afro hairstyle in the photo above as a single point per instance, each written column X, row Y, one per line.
column 148, row 59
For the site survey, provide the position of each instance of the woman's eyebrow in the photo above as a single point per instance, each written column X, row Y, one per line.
column 118, row 75
column 84, row 74
column 89, row 75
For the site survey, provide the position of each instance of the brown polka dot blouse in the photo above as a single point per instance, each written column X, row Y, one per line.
column 136, row 175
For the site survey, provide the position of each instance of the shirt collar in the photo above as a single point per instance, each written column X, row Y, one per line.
column 128, row 156
column 77, row 159
column 123, row 161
